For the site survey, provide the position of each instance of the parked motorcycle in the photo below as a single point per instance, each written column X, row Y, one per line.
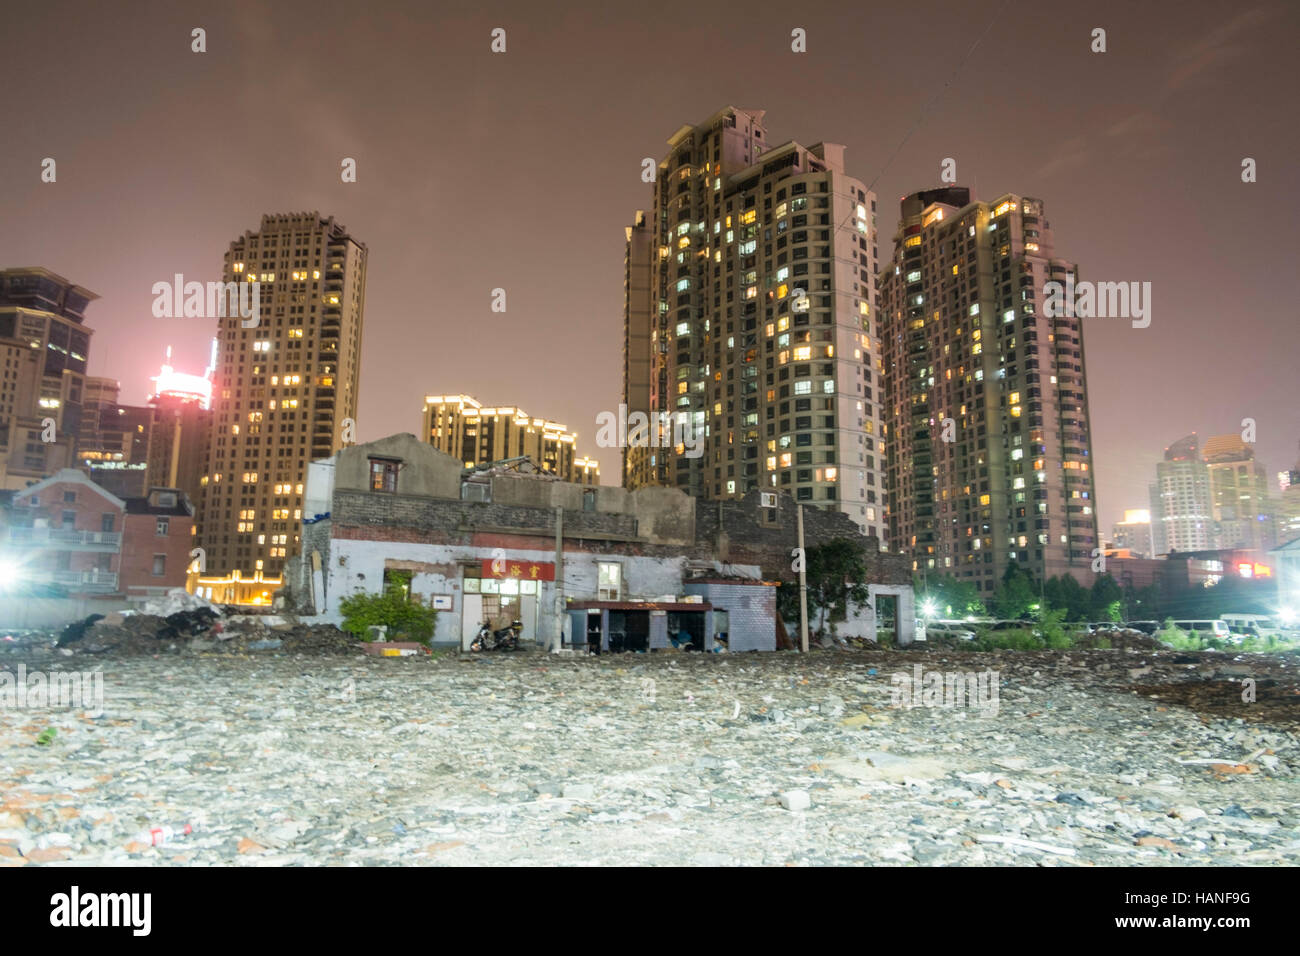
column 505, row 639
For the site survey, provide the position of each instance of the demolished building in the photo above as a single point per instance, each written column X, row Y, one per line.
column 632, row 569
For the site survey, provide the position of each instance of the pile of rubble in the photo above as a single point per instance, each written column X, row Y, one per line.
column 184, row 623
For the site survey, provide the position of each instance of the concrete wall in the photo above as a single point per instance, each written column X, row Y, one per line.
column 424, row 470
column 746, row 533
column 357, row 566
column 18, row 614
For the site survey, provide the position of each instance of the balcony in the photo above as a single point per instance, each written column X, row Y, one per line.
column 86, row 581
column 62, row 539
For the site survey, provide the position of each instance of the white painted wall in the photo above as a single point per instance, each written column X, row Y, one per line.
column 358, row 566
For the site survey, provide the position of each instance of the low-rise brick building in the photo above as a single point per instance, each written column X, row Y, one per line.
column 68, row 532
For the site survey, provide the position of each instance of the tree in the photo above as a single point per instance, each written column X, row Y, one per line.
column 951, row 598
column 1016, row 595
column 1141, row 604
column 1065, row 593
column 835, row 572
column 1107, row 599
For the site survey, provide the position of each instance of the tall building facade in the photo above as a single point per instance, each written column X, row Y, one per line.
column 182, row 419
column 1240, row 502
column 284, row 390
column 989, row 440
column 44, row 348
column 1181, row 505
column 639, row 318
column 751, row 282
column 1134, row 532
column 113, row 440
column 463, row 428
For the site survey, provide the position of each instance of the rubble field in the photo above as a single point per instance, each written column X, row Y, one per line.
column 326, row 756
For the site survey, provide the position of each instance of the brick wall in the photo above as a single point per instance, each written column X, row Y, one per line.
column 748, row 539
column 140, row 542
column 751, row 613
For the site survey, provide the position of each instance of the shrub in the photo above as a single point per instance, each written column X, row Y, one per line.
column 403, row 619
column 1022, row 639
column 1051, row 626
column 1178, row 639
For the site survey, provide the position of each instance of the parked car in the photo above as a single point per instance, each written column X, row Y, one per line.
column 957, row 629
column 1146, row 627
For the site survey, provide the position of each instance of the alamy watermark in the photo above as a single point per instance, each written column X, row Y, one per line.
column 654, row 430
column 211, row 300
column 1098, row 300
column 39, row 690
column 946, row 689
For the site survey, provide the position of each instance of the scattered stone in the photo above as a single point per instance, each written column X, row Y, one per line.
column 796, row 800
column 315, row 754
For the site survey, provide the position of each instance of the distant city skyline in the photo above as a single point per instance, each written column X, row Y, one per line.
column 478, row 171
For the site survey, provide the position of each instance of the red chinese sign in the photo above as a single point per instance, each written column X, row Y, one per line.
column 520, row 570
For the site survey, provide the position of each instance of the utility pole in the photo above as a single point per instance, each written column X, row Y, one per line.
column 557, row 642
column 803, row 588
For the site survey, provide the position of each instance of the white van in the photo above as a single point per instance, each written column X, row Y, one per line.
column 1203, row 629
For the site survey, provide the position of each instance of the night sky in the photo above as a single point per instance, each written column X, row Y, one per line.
column 519, row 170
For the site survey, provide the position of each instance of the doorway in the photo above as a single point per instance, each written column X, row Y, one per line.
column 887, row 618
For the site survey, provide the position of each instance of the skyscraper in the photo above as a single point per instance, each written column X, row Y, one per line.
column 748, row 318
column 463, row 428
column 990, row 451
column 285, row 389
column 1181, row 517
column 179, row 438
column 44, row 347
column 1239, row 494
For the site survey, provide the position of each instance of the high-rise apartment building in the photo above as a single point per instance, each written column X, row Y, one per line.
column 463, row 428
column 640, row 301
column 113, row 440
column 182, row 419
column 44, row 348
column 1181, row 506
column 990, row 450
column 750, row 280
column 1133, row 533
column 1240, row 502
column 284, row 390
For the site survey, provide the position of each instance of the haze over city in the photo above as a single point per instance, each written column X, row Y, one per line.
column 520, row 172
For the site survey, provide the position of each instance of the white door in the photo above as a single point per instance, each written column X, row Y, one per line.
column 471, row 618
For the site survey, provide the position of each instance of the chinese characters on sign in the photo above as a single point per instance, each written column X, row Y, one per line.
column 520, row 570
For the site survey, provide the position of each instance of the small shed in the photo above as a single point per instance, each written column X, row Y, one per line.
column 640, row 626
column 744, row 615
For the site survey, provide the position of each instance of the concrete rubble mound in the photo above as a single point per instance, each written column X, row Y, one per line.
column 201, row 630
column 177, row 600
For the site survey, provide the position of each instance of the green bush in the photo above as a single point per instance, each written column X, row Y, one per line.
column 404, row 620
column 1021, row 639
column 1051, row 626
column 1178, row 639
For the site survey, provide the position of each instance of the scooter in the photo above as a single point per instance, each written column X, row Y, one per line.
column 506, row 639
